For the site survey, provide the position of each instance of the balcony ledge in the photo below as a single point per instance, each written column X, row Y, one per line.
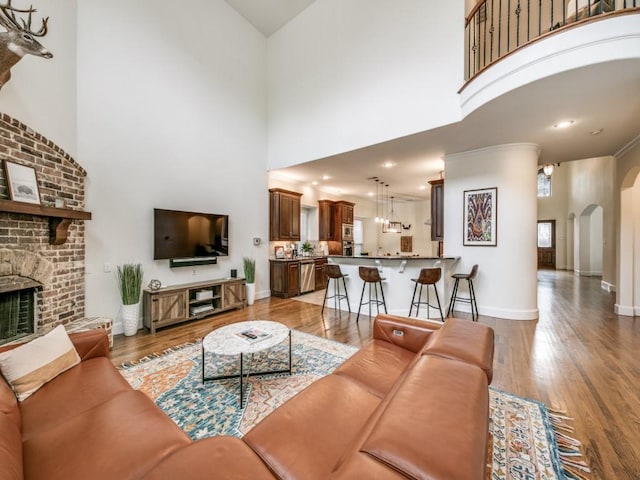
column 607, row 39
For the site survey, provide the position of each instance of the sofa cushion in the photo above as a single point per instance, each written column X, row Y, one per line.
column 305, row 436
column 466, row 341
column 215, row 457
column 29, row 366
column 408, row 333
column 120, row 439
column 437, row 417
column 377, row 366
column 10, row 449
column 9, row 403
column 89, row 384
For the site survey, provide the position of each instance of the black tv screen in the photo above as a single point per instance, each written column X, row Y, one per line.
column 189, row 234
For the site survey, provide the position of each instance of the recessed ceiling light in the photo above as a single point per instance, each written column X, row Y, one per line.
column 388, row 164
column 315, row 182
column 370, row 194
column 326, row 177
column 564, row 124
column 597, row 132
column 423, row 187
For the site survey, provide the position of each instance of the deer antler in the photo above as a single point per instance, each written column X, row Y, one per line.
column 11, row 22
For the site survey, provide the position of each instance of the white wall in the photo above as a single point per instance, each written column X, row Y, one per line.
column 628, row 228
column 349, row 74
column 413, row 213
column 506, row 285
column 42, row 92
column 591, row 182
column 172, row 114
column 596, row 233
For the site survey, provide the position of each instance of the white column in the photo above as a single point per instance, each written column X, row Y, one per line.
column 506, row 285
column 629, row 229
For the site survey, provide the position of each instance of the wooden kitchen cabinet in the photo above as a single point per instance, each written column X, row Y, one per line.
column 331, row 216
column 326, row 223
column 321, row 277
column 437, row 210
column 284, row 278
column 284, row 215
column 346, row 212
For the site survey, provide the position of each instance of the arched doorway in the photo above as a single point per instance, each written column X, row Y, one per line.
column 589, row 244
column 571, row 225
column 628, row 291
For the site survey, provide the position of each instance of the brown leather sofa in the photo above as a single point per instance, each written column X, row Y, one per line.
column 413, row 403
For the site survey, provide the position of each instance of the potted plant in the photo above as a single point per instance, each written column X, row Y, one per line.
column 129, row 277
column 250, row 278
column 307, row 249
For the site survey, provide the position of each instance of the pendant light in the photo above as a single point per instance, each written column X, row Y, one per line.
column 377, row 219
column 395, row 225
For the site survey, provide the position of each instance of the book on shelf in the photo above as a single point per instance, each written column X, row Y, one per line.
column 252, row 335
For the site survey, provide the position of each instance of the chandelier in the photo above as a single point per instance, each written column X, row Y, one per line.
column 385, row 215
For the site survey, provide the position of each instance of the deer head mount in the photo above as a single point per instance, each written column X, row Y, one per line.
column 19, row 40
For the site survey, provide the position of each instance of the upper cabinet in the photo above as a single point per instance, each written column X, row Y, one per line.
column 326, row 222
column 284, row 215
column 437, row 210
column 331, row 216
column 345, row 212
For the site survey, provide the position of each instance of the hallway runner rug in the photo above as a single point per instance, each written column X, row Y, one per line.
column 526, row 440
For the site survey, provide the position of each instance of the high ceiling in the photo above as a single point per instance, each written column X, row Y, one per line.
column 269, row 16
column 602, row 98
column 608, row 101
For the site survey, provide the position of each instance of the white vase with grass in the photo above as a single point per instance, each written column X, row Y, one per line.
column 250, row 278
column 129, row 278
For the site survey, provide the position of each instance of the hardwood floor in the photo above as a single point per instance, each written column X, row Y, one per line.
column 578, row 357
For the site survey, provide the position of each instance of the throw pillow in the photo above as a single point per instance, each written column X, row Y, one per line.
column 29, row 366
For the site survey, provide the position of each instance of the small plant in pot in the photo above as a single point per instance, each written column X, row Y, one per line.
column 250, row 278
column 307, row 249
column 129, row 277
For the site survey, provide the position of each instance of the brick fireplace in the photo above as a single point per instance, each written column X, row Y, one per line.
column 55, row 272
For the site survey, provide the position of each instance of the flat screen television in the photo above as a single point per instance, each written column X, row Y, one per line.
column 180, row 234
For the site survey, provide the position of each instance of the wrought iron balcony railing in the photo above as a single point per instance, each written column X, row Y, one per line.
column 495, row 28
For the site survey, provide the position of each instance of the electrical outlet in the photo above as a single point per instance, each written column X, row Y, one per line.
column 193, row 272
column 107, row 267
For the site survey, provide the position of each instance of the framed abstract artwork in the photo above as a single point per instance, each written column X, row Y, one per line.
column 481, row 217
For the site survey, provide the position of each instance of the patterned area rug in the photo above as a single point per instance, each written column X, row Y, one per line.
column 526, row 440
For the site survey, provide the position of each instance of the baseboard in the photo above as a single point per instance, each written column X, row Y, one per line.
column 506, row 314
column 608, row 287
column 627, row 311
column 263, row 294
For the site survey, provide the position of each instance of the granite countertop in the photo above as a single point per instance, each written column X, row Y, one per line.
column 297, row 259
column 392, row 257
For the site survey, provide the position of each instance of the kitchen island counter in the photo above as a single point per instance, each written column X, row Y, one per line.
column 397, row 286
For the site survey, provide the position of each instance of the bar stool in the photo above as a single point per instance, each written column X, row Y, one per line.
column 472, row 293
column 371, row 276
column 334, row 273
column 427, row 276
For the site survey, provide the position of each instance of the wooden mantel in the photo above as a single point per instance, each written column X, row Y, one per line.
column 59, row 218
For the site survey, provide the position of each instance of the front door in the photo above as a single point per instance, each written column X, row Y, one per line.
column 547, row 244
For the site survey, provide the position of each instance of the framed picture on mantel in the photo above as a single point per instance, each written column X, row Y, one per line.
column 481, row 217
column 21, row 183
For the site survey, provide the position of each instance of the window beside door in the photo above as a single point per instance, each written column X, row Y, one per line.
column 544, row 184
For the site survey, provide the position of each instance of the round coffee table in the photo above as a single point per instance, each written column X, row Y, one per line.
column 237, row 339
